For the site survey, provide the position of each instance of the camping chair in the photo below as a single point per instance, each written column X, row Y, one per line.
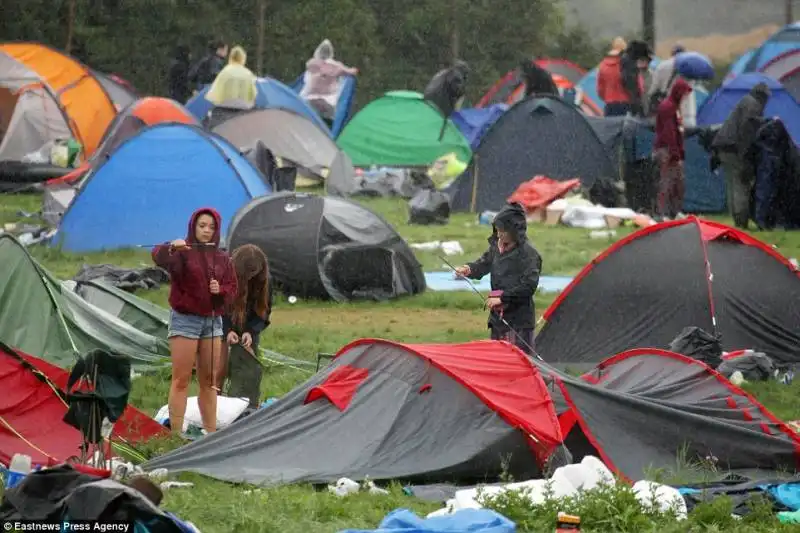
column 97, row 389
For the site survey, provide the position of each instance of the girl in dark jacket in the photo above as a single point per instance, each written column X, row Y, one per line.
column 202, row 283
column 249, row 313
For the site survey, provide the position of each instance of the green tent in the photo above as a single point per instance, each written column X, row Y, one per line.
column 41, row 316
column 401, row 129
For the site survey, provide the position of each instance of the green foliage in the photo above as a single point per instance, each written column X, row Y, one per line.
column 396, row 44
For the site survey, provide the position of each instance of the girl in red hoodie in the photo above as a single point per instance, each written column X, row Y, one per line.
column 203, row 284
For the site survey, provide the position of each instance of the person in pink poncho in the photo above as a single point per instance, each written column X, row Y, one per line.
column 323, row 80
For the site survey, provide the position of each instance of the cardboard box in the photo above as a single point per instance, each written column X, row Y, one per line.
column 553, row 216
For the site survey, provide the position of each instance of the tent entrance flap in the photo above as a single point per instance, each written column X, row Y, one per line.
column 359, row 271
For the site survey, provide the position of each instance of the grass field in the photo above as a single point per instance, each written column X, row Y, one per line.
column 304, row 329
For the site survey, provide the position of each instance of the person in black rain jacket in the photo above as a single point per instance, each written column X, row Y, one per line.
column 514, row 265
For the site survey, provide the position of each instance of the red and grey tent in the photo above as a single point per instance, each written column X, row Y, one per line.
column 469, row 412
column 32, row 409
column 509, row 88
column 645, row 289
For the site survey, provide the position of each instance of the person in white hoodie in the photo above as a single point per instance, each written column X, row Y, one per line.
column 661, row 82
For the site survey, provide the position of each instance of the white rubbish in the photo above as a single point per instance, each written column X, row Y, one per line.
column 158, row 475
column 19, row 467
column 588, row 216
column 602, row 234
column 737, row 378
column 566, row 481
column 794, row 263
column 228, row 410
column 447, row 247
column 344, row 486
column 292, row 299
column 175, row 485
column 661, row 497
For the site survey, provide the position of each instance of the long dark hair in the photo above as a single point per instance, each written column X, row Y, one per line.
column 252, row 273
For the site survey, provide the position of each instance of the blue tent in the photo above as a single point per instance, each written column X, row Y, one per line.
column 781, row 103
column 146, row 189
column 475, row 122
column 344, row 107
column 781, row 42
column 271, row 94
column 588, row 87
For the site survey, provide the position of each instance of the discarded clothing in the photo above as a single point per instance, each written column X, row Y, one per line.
column 464, row 521
column 698, row 344
column 128, row 279
column 754, row 366
column 784, row 496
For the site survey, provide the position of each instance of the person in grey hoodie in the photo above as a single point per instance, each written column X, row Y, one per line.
column 734, row 144
column 514, row 265
column 661, row 82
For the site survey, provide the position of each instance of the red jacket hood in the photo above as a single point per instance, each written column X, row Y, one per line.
column 679, row 90
column 610, row 61
column 190, row 236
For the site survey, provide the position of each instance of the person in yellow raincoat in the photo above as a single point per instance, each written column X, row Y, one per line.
column 235, row 85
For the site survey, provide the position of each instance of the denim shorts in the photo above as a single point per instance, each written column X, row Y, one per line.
column 193, row 326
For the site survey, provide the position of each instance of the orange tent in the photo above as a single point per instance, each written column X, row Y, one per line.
column 141, row 113
column 82, row 99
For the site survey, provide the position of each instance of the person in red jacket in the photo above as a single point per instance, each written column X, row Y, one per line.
column 620, row 82
column 203, row 285
column 669, row 151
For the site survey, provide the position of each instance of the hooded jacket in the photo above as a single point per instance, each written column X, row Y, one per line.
column 668, row 124
column 191, row 272
column 661, row 83
column 609, row 81
column 515, row 272
column 179, row 89
column 738, row 132
column 447, row 87
column 537, row 80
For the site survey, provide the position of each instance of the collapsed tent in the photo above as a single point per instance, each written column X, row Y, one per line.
column 647, row 410
column 60, row 96
column 270, row 94
column 59, row 192
column 325, row 247
column 401, row 129
column 292, row 137
column 466, row 413
column 645, row 289
column 540, row 136
column 781, row 104
column 40, row 315
column 390, row 411
column 146, row 190
column 32, row 412
column 344, row 102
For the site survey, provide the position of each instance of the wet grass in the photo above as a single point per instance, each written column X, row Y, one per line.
column 306, row 328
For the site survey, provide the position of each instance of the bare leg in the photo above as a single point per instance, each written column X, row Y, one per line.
column 207, row 397
column 221, row 370
column 184, row 353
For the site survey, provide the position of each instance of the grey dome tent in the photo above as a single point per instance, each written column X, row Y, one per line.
column 541, row 135
column 324, row 247
column 294, row 137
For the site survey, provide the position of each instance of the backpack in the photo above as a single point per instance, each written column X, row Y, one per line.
column 659, row 96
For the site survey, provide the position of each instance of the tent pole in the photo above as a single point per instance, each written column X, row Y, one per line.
column 474, row 203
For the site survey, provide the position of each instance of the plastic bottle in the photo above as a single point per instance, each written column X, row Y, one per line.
column 566, row 523
column 19, row 468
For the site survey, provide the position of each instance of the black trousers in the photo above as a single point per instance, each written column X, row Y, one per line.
column 521, row 338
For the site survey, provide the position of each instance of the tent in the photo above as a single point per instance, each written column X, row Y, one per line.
column 645, row 410
column 65, row 100
column 538, row 136
column 460, row 412
column 781, row 42
column 390, row 411
column 38, row 314
column 121, row 93
column 510, row 88
column 401, row 129
column 781, row 104
column 146, row 190
column 270, row 94
column 324, row 247
column 344, row 104
column 293, row 137
column 59, row 192
column 475, row 122
column 704, row 190
column 645, row 289
column 786, row 69
column 32, row 410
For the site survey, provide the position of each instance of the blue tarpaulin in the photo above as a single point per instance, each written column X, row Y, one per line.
column 475, row 122
column 463, row 521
